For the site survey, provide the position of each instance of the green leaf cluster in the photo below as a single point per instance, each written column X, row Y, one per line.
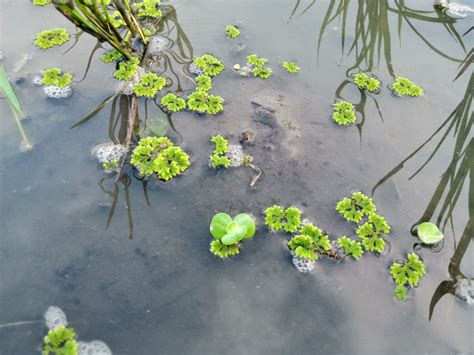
column 158, row 155
column 116, row 19
column 218, row 158
column 407, row 274
column 370, row 233
column 209, row 64
column 173, row 103
column 309, row 243
column 321, row 241
column 277, row 218
column 350, row 247
column 53, row 37
column 110, row 56
column 148, row 8
column 41, row 2
column 290, row 67
column 257, row 64
column 223, row 251
column 204, row 83
column 111, row 165
column 364, row 81
column 344, row 113
column 201, row 101
column 232, row 31
column 126, row 69
column 149, row 85
column 405, row 87
column 429, row 233
column 60, row 341
column 52, row 76
column 356, row 207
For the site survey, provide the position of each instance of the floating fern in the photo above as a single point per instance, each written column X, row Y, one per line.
column 50, row 38
column 41, row 2
column 350, row 247
column 209, row 64
column 232, row 31
column 257, row 64
column 405, row 87
column 344, row 113
column 60, row 340
column 126, row 69
column 277, row 218
column 356, row 207
column 149, row 85
column 218, row 158
column 204, row 83
column 201, row 101
column 290, row 67
column 52, row 76
column 148, row 8
column 407, row 274
column 367, row 82
column 173, row 103
column 110, row 56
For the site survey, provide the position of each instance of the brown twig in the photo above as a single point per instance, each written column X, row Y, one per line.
column 256, row 177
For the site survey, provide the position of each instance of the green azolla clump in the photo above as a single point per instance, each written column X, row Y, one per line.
column 371, row 231
column 257, row 64
column 356, row 207
column 159, row 156
column 364, row 81
column 41, row 2
column 148, row 8
column 52, row 76
column 60, row 341
column 53, row 37
column 116, row 19
column 110, row 56
column 204, row 83
column 201, row 101
column 149, row 85
column 173, row 103
column 344, row 113
column 232, row 31
column 309, row 243
column 209, row 64
column 290, row 67
column 407, row 274
column 277, row 218
column 218, row 158
column 405, row 87
column 350, row 247
column 126, row 69
column 111, row 165
column 223, row 251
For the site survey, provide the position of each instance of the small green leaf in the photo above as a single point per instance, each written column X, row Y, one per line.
column 246, row 221
column 429, row 233
column 219, row 225
column 235, row 232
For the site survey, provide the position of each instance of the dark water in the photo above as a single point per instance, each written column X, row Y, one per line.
column 161, row 291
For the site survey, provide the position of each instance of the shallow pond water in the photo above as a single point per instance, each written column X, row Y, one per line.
column 142, row 279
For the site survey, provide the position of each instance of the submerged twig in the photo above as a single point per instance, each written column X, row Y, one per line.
column 131, row 125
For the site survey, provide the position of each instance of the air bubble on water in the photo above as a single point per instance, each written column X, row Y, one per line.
column 236, row 155
column 95, row 347
column 465, row 290
column 105, row 152
column 54, row 317
column 303, row 265
column 56, row 92
column 158, row 44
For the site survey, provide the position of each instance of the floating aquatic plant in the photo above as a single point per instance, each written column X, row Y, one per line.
column 158, row 155
column 173, row 103
column 370, row 233
column 148, row 8
column 303, row 247
column 111, row 56
column 209, row 64
column 320, row 240
column 364, row 81
column 405, row 87
column 290, row 67
column 257, row 64
column 201, row 101
column 344, row 113
column 277, row 218
column 60, row 341
column 218, row 158
column 350, row 247
column 204, row 83
column 111, row 165
column 356, row 207
column 229, row 232
column 41, row 2
column 232, row 31
column 52, row 76
column 214, row 104
column 126, row 69
column 116, row 19
column 50, row 38
column 407, row 274
column 429, row 233
column 149, row 85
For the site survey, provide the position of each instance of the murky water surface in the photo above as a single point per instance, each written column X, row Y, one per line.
column 147, row 284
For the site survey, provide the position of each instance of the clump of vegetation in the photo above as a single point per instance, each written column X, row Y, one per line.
column 405, row 87
column 406, row 275
column 429, row 233
column 366, row 82
column 52, row 76
column 173, row 103
column 257, row 64
column 149, row 85
column 290, row 67
column 159, row 156
column 350, row 247
column 232, row 31
column 209, row 64
column 277, row 218
column 309, row 243
column 148, row 8
column 202, row 102
column 50, row 38
column 204, row 83
column 116, row 19
column 111, row 165
column 344, row 113
column 126, row 69
column 356, row 207
column 60, row 341
column 111, row 56
column 218, row 158
column 41, row 2
column 370, row 233
column 229, row 232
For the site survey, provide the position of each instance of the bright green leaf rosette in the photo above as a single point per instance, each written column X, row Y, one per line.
column 429, row 233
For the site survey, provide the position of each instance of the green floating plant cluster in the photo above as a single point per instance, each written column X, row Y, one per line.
column 116, row 19
column 50, row 38
column 159, row 156
column 173, row 103
column 344, row 113
column 202, row 102
column 277, row 218
column 350, row 247
column 290, row 67
column 148, row 8
column 126, row 69
column 41, row 2
column 257, row 64
column 60, row 341
column 218, row 158
column 111, row 56
column 309, row 243
column 209, row 64
column 204, row 83
column 355, row 208
column 429, row 233
column 52, row 76
column 406, row 275
column 367, row 82
column 232, row 31
column 229, row 232
column 111, row 165
column 149, row 85
column 405, row 87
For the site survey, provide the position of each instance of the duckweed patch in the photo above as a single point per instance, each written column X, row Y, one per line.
column 406, row 275
column 405, row 87
column 52, row 37
column 344, row 113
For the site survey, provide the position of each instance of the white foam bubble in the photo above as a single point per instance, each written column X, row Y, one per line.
column 56, row 92
column 106, row 152
column 303, row 265
column 236, row 155
column 465, row 290
column 95, row 347
column 54, row 317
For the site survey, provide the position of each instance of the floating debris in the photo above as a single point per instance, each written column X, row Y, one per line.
column 453, row 9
